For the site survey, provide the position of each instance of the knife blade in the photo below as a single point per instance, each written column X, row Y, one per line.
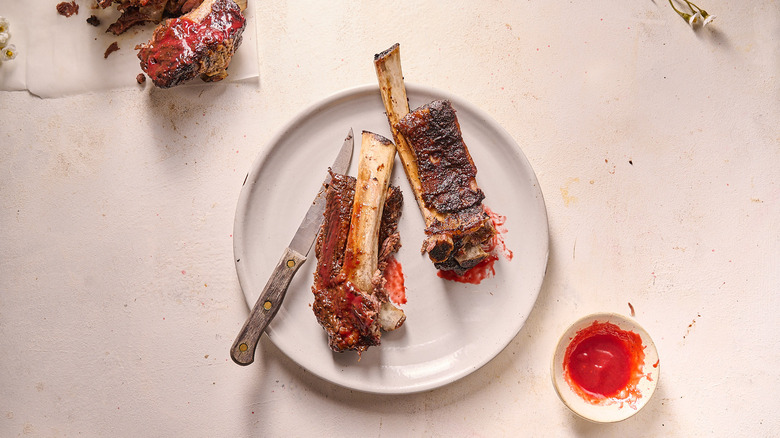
column 270, row 300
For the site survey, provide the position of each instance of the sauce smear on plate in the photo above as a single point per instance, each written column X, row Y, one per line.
column 395, row 287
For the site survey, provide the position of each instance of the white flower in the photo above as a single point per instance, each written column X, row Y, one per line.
column 4, row 37
column 694, row 19
column 9, row 53
column 707, row 19
column 3, row 24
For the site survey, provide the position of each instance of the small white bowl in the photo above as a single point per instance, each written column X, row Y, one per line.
column 609, row 409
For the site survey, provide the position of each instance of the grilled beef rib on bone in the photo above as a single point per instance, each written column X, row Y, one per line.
column 358, row 235
column 448, row 179
column 199, row 43
column 439, row 169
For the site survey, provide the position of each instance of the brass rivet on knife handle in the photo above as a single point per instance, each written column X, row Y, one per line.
column 243, row 350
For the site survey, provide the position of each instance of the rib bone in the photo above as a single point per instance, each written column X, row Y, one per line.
column 377, row 155
column 391, row 86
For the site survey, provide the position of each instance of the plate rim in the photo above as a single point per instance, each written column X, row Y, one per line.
column 322, row 104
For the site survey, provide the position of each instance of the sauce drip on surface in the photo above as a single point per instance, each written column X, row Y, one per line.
column 603, row 363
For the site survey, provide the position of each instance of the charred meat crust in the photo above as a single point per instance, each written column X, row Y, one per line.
column 384, row 53
column 448, row 186
column 446, row 169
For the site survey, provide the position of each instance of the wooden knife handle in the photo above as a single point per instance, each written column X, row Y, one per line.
column 264, row 310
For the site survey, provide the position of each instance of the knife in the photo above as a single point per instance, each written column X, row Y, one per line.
column 270, row 300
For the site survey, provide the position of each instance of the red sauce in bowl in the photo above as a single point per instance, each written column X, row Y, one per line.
column 604, row 362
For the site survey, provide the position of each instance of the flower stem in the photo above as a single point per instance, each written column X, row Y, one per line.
column 682, row 14
column 703, row 13
column 692, row 6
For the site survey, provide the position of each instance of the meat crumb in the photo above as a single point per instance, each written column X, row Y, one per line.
column 111, row 49
column 66, row 9
column 93, row 20
column 141, row 78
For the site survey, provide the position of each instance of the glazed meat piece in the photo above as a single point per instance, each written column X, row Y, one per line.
column 350, row 316
column 199, row 43
column 358, row 236
column 347, row 315
column 459, row 227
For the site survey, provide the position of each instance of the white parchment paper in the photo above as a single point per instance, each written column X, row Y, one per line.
column 62, row 56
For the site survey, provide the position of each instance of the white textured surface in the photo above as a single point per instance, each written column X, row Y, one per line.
column 657, row 149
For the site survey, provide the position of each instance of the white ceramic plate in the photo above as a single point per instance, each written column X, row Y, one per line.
column 452, row 329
